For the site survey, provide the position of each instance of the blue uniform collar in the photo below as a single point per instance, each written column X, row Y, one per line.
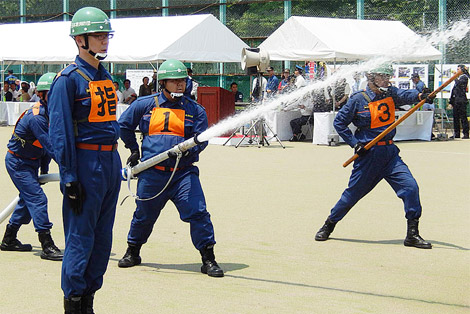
column 162, row 99
column 87, row 68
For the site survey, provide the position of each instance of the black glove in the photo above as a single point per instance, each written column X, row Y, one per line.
column 75, row 195
column 173, row 154
column 133, row 158
column 360, row 149
column 429, row 99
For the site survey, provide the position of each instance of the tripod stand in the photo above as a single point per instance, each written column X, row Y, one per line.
column 259, row 128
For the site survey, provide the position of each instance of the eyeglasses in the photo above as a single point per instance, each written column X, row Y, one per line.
column 102, row 36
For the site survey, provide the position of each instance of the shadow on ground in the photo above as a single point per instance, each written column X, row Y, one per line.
column 435, row 244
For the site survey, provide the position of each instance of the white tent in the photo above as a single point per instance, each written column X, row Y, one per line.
column 194, row 38
column 328, row 39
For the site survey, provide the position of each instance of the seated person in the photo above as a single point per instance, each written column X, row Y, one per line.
column 8, row 96
column 297, row 123
column 238, row 95
column 128, row 94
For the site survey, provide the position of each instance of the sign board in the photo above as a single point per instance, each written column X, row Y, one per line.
column 402, row 75
column 136, row 76
column 443, row 74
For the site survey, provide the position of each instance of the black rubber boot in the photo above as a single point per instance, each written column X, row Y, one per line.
column 131, row 258
column 73, row 305
column 324, row 233
column 209, row 265
column 413, row 238
column 11, row 243
column 87, row 304
column 49, row 250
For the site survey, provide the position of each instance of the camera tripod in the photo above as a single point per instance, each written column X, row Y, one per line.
column 257, row 134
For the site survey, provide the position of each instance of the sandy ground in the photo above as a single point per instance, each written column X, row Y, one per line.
column 266, row 205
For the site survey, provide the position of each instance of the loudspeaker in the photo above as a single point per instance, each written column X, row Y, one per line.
column 254, row 57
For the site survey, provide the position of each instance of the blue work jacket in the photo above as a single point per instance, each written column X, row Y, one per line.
column 356, row 111
column 69, row 106
column 140, row 113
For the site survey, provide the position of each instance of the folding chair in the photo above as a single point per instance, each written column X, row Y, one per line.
column 441, row 122
column 309, row 126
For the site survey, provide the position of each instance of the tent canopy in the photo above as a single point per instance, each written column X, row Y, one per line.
column 194, row 38
column 328, row 39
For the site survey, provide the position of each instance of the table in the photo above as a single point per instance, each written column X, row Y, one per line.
column 418, row 126
column 10, row 111
column 279, row 122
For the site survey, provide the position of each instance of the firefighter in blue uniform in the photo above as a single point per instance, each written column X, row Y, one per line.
column 84, row 133
column 29, row 150
column 372, row 111
column 166, row 119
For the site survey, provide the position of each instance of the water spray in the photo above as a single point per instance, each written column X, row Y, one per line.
column 11, row 207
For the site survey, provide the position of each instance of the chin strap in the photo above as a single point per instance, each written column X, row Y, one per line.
column 174, row 95
column 98, row 56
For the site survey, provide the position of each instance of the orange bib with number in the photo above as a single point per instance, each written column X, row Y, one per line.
column 382, row 112
column 167, row 121
column 103, row 101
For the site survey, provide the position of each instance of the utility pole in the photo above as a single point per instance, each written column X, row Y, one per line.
column 223, row 20
column 287, row 15
column 165, row 8
column 360, row 9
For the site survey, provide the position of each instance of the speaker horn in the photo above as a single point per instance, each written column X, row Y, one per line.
column 254, row 57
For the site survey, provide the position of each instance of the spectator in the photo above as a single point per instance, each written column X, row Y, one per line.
column 458, row 100
column 6, row 90
column 341, row 92
column 273, row 82
column 286, row 82
column 357, row 82
column 145, row 88
column 16, row 94
column 258, row 90
column 154, row 83
column 191, row 85
column 35, row 96
column 420, row 87
column 418, row 84
column 238, row 95
column 299, row 79
column 304, row 107
column 24, row 92
column 128, row 94
column 10, row 78
column 118, row 92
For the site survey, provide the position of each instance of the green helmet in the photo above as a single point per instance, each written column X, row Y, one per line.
column 172, row 69
column 90, row 20
column 45, row 81
column 383, row 69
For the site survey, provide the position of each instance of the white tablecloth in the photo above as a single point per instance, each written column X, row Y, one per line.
column 11, row 111
column 418, row 126
column 279, row 122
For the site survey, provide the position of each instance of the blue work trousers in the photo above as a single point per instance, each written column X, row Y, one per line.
column 185, row 192
column 381, row 162
column 33, row 201
column 88, row 236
